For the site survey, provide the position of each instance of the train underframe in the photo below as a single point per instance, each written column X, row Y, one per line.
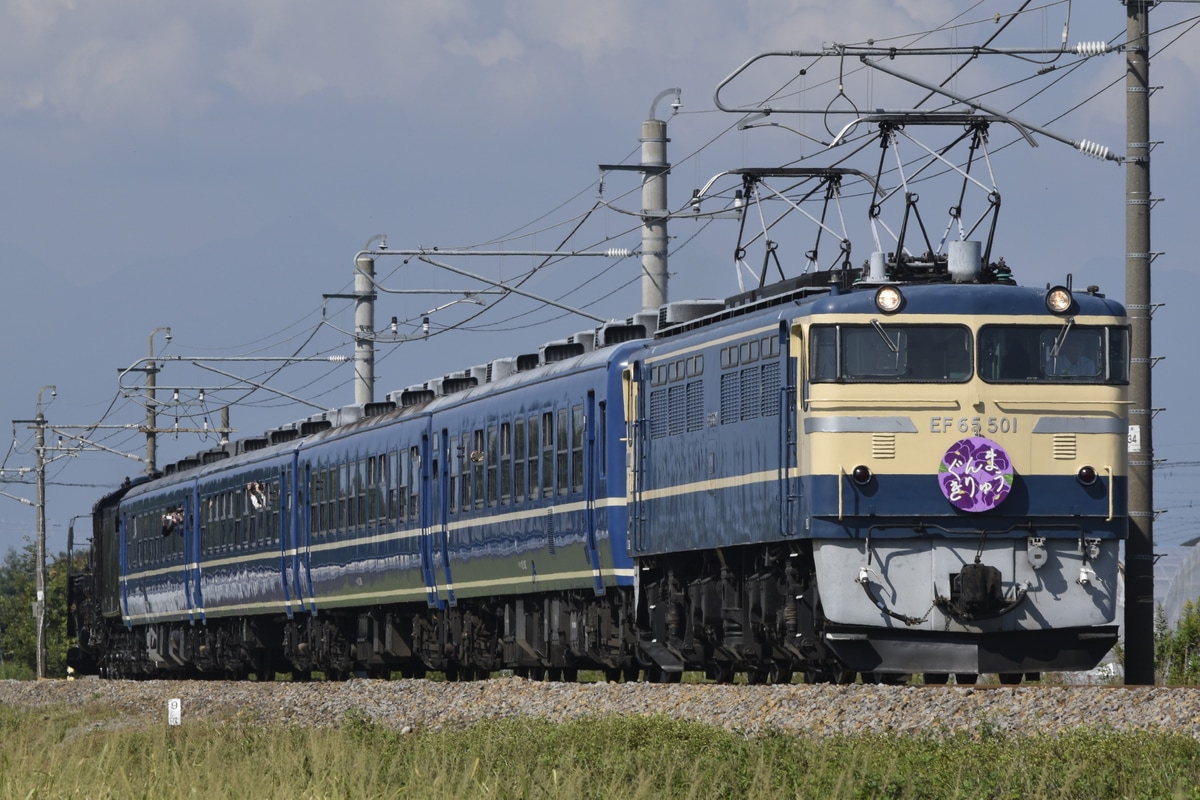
column 753, row 610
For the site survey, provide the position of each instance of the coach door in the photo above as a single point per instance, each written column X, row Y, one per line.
column 297, row 576
column 591, row 481
column 191, row 554
column 123, row 539
column 440, row 502
column 428, row 567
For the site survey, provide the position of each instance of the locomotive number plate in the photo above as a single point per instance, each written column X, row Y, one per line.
column 972, row 425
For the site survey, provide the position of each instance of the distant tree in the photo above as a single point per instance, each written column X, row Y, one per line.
column 1177, row 652
column 18, row 629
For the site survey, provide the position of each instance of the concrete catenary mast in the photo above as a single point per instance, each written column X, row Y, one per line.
column 1139, row 547
column 654, row 168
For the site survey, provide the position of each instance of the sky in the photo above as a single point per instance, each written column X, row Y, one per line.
column 213, row 168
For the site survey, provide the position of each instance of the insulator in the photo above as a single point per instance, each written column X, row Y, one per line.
column 618, row 252
column 1093, row 149
column 1092, row 48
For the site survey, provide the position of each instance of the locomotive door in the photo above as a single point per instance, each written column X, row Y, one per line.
column 635, row 446
column 789, row 477
column 591, row 462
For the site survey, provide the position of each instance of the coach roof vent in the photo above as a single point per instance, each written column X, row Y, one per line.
column 585, row 338
column 686, row 311
column 184, row 464
column 501, row 368
column 378, row 408
column 256, row 443
column 411, row 396
column 616, row 332
column 528, row 361
column 281, row 435
column 315, row 424
column 458, row 382
column 479, row 372
column 647, row 319
column 560, row 351
column 214, row 455
column 341, row 416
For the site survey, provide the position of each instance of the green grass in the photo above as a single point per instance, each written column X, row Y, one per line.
column 89, row 752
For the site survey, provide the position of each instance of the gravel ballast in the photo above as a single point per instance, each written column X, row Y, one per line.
column 810, row 710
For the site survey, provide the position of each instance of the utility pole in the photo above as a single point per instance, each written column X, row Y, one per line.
column 1139, row 546
column 152, row 406
column 655, row 212
column 364, row 329
column 40, row 424
column 40, row 566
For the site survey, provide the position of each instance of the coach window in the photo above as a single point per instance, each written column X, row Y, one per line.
column 547, row 454
column 493, row 465
column 532, row 430
column 414, row 484
column 564, row 445
column 390, row 477
column 577, row 435
column 249, row 516
column 460, row 462
column 270, row 510
column 319, row 484
column 403, row 471
column 362, row 490
column 478, row 455
column 518, row 460
column 379, row 512
column 506, row 465
column 371, row 486
column 340, row 490
column 205, row 541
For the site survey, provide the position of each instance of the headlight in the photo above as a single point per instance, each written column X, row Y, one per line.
column 1086, row 475
column 888, row 299
column 862, row 474
column 1059, row 300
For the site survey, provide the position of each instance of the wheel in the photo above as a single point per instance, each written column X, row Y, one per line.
column 264, row 667
column 936, row 678
column 966, row 678
column 721, row 672
column 1011, row 678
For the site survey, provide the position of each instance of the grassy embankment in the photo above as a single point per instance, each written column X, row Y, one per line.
column 88, row 752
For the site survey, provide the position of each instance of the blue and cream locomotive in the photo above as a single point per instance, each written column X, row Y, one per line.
column 913, row 467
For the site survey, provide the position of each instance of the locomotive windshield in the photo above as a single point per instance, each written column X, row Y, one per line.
column 1053, row 354
column 884, row 352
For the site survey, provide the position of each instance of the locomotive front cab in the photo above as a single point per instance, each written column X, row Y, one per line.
column 964, row 465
